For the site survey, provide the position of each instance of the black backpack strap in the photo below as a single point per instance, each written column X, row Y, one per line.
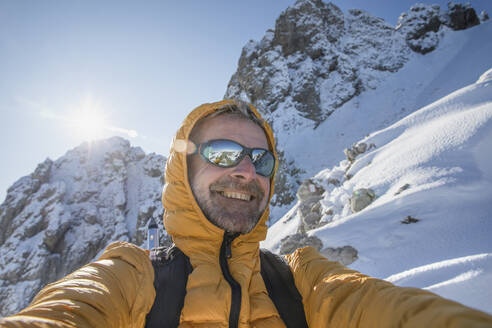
column 281, row 288
column 171, row 268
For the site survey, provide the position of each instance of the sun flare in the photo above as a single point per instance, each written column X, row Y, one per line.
column 89, row 123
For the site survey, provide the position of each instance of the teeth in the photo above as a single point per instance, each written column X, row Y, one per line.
column 236, row 195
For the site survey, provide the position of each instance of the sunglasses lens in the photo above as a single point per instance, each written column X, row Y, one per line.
column 263, row 161
column 227, row 153
column 222, row 153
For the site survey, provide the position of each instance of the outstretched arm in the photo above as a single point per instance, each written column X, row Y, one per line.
column 115, row 291
column 335, row 296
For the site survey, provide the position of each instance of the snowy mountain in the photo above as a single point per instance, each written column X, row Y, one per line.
column 318, row 63
column 426, row 222
column 383, row 133
column 67, row 211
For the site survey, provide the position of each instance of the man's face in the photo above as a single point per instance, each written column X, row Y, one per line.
column 217, row 190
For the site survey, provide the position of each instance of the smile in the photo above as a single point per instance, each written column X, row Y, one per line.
column 235, row 195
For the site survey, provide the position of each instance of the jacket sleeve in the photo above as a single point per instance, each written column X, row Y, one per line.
column 335, row 296
column 115, row 291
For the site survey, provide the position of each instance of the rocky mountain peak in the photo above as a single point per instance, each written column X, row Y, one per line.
column 317, row 59
column 302, row 27
column 64, row 213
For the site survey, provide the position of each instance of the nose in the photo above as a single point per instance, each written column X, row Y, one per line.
column 245, row 170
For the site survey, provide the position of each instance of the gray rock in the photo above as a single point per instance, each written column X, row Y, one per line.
column 356, row 150
column 290, row 243
column 309, row 189
column 294, row 33
column 409, row 219
column 309, row 209
column 361, row 198
column 402, row 188
column 484, row 16
column 332, row 181
column 460, row 16
column 345, row 255
column 420, row 26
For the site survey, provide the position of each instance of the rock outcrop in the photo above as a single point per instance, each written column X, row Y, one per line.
column 290, row 243
column 67, row 211
column 316, row 59
column 422, row 23
column 346, row 255
column 361, row 198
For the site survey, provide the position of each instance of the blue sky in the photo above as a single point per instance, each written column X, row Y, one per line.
column 141, row 66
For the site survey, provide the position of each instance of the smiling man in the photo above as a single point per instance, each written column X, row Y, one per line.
column 233, row 195
column 219, row 180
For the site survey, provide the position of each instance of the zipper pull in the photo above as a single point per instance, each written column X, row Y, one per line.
column 229, row 237
column 228, row 251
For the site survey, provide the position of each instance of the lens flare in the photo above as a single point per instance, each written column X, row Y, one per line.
column 89, row 123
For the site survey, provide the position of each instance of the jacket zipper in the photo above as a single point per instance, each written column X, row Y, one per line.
column 226, row 253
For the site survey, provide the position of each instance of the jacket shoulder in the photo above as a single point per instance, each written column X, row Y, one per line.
column 334, row 295
column 129, row 253
column 114, row 291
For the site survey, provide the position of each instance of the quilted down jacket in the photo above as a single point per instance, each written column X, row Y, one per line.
column 117, row 290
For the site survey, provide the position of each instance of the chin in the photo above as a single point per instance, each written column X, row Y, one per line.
column 236, row 223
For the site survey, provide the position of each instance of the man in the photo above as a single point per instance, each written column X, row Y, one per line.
column 219, row 180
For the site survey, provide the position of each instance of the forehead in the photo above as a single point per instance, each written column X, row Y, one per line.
column 230, row 127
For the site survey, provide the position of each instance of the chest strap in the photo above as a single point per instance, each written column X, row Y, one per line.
column 172, row 267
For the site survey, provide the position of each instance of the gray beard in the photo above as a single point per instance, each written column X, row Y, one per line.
column 230, row 214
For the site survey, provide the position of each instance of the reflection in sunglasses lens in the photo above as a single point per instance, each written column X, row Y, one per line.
column 227, row 153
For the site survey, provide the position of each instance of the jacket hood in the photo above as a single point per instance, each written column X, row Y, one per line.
column 183, row 218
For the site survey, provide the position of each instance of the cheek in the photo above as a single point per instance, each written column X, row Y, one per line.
column 265, row 185
column 201, row 174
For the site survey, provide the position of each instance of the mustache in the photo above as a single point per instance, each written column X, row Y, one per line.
column 251, row 187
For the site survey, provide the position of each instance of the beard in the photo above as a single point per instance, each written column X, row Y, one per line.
column 230, row 214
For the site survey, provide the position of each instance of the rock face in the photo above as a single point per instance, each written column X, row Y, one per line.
column 318, row 58
column 460, row 17
column 67, row 211
column 422, row 23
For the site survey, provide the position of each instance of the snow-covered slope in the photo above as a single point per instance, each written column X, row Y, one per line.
column 325, row 79
column 62, row 215
column 429, row 225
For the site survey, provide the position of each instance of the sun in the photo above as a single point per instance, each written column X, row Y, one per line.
column 89, row 124
column 88, row 121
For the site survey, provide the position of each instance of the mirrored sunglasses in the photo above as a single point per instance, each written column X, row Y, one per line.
column 227, row 153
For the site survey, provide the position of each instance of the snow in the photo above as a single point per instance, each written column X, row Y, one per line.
column 485, row 77
column 442, row 151
column 466, row 277
column 431, row 125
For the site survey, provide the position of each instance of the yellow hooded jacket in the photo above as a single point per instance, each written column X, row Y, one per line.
column 117, row 290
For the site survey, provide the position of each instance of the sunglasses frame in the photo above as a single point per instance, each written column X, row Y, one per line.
column 246, row 151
